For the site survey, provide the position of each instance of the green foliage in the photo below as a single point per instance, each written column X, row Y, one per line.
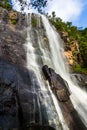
column 68, row 24
column 5, row 4
column 37, row 4
column 34, row 22
column 13, row 21
column 79, row 69
column 83, row 50
column 53, row 14
column 59, row 25
column 75, row 53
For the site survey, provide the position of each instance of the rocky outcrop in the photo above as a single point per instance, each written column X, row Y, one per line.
column 64, row 36
column 81, row 79
column 69, row 57
column 59, row 88
column 72, row 53
column 13, row 15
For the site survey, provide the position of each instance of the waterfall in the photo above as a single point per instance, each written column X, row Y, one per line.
column 78, row 96
column 44, row 46
column 36, row 57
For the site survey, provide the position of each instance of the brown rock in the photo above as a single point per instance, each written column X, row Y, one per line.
column 69, row 105
column 62, row 95
column 68, row 55
column 13, row 15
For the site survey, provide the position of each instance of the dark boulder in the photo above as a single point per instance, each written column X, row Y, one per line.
column 46, row 71
column 55, row 80
column 80, row 78
column 59, row 88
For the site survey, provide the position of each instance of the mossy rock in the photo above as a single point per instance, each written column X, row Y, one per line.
column 34, row 22
column 13, row 17
column 13, row 21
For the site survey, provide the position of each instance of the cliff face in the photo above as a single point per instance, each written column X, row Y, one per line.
column 23, row 105
column 13, row 35
column 72, row 52
column 73, row 57
column 12, row 54
column 19, row 104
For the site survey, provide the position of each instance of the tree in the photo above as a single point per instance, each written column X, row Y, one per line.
column 53, row 14
column 37, row 4
column 5, row 4
column 68, row 24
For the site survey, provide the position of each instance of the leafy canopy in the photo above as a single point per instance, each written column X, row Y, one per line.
column 37, row 4
column 5, row 4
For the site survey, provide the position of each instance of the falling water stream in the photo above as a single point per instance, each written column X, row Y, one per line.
column 78, row 96
column 44, row 46
column 35, row 60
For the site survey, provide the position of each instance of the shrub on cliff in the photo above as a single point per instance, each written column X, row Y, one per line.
column 5, row 4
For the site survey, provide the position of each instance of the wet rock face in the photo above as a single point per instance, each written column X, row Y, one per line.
column 8, row 107
column 8, row 97
column 11, row 37
column 15, row 94
column 13, row 77
column 19, row 102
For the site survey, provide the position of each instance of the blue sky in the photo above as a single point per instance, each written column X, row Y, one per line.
column 69, row 10
column 74, row 11
column 82, row 19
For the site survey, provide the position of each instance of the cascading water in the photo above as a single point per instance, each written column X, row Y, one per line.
column 43, row 46
column 36, row 57
column 78, row 96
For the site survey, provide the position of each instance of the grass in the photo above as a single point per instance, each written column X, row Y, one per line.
column 79, row 69
column 34, row 22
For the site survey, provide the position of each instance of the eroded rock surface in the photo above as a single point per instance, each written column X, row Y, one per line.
column 12, row 38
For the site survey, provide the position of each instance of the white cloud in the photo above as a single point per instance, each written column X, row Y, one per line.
column 68, row 10
column 17, row 6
